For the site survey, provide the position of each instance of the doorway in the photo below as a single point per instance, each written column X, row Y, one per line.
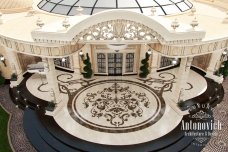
column 115, row 64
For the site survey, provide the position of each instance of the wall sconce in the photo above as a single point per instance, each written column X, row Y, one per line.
column 3, row 60
column 224, row 55
column 149, row 52
column 174, row 61
column 81, row 54
column 224, row 52
column 63, row 59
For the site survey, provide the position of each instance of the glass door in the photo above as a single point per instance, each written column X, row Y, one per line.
column 115, row 61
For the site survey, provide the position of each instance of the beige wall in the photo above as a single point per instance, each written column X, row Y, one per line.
column 25, row 60
column 202, row 61
column 6, row 71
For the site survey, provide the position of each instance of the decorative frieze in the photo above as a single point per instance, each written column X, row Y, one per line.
column 124, row 30
column 40, row 49
column 118, row 30
column 193, row 49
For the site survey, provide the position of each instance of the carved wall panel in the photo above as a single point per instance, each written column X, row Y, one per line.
column 202, row 61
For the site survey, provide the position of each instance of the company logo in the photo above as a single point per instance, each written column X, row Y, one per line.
column 201, row 124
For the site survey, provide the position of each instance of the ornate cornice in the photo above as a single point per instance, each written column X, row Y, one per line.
column 190, row 50
column 43, row 50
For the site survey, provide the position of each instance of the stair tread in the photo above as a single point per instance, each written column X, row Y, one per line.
column 34, row 137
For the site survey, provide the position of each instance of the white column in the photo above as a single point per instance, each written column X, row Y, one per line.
column 214, row 65
column 76, row 64
column 214, row 62
column 182, row 77
column 154, row 62
column 51, row 76
column 15, row 66
column 143, row 50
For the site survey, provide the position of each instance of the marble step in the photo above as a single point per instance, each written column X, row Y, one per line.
column 77, row 143
column 34, row 137
column 47, row 137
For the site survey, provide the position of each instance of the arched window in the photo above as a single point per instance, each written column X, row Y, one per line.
column 130, row 62
column 101, row 63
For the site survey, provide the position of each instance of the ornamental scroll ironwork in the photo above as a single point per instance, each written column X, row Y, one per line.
column 118, row 30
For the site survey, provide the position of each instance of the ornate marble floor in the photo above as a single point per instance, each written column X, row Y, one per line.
column 119, row 110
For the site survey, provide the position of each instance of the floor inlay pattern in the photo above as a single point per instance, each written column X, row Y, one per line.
column 164, row 79
column 116, row 106
column 102, row 118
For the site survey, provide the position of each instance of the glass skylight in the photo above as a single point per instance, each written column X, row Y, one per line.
column 68, row 7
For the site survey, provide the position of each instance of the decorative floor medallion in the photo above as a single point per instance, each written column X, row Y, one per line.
column 116, row 106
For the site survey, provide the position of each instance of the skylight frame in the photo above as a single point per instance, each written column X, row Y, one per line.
column 90, row 6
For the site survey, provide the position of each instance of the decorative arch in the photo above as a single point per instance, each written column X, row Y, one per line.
column 118, row 30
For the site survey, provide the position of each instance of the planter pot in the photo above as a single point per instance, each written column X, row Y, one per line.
column 50, row 109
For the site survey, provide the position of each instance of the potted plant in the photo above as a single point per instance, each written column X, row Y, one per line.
column 14, row 77
column 144, row 68
column 224, row 69
column 2, row 79
column 50, row 106
column 182, row 105
column 88, row 72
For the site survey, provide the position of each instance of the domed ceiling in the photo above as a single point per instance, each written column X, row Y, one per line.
column 68, row 7
column 15, row 4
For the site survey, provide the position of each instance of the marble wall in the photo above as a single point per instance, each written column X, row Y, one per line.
column 202, row 61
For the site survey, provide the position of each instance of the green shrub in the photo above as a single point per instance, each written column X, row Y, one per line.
column 180, row 103
column 14, row 77
column 2, row 79
column 144, row 68
column 4, row 141
column 224, row 70
column 50, row 106
column 88, row 72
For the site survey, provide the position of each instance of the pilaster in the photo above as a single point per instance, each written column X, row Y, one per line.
column 154, row 62
column 15, row 67
column 214, row 66
column 76, row 65
column 214, row 62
